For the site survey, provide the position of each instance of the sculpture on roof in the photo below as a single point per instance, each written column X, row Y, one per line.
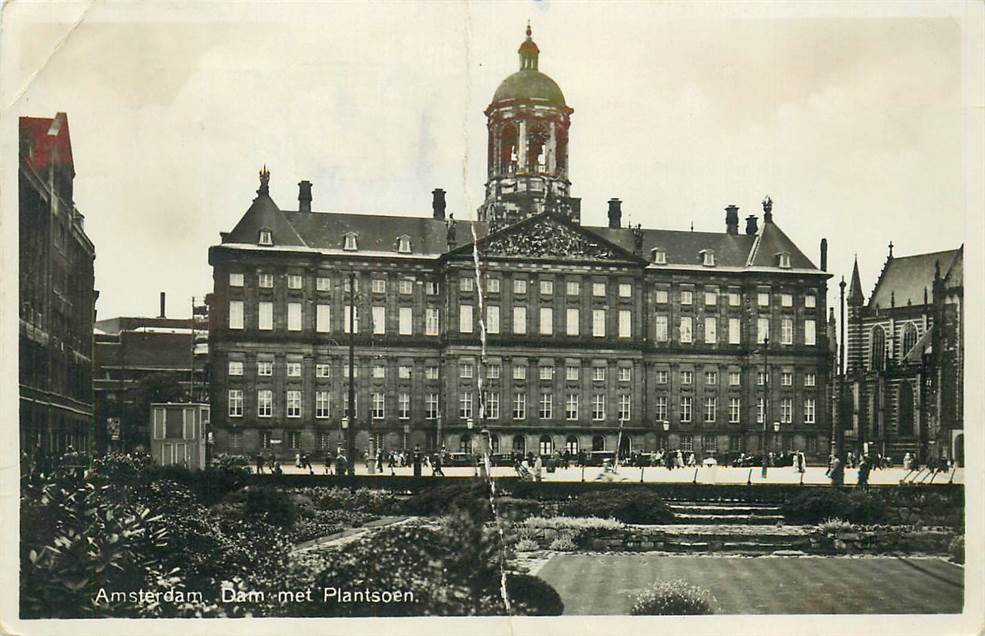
column 450, row 230
column 638, row 239
column 264, row 188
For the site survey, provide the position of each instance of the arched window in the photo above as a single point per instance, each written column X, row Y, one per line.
column 571, row 445
column 904, row 419
column 598, row 443
column 546, row 445
column 507, row 149
column 877, row 350
column 909, row 338
column 350, row 242
column 519, row 444
column 537, row 137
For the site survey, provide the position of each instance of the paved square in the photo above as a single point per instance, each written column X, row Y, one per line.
column 608, row 583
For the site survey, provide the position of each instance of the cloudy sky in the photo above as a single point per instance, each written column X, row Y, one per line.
column 852, row 124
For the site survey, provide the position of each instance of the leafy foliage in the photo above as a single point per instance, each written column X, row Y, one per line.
column 641, row 506
column 674, row 598
column 956, row 549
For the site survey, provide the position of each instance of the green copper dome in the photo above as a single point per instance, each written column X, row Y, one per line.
column 529, row 84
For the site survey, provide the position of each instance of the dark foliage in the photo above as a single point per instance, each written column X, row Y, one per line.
column 641, row 506
column 471, row 493
column 904, row 505
column 532, row 596
column 270, row 505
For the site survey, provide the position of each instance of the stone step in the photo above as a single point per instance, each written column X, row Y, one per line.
column 725, row 510
column 730, row 539
column 756, row 520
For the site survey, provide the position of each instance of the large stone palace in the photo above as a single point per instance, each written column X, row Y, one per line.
column 550, row 334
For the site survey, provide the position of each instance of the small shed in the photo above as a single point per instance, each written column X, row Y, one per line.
column 179, row 433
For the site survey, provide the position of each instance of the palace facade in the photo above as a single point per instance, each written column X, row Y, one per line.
column 550, row 334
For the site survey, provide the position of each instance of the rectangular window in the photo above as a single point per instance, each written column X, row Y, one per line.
column 235, row 279
column 235, row 314
column 348, row 287
column 323, row 283
column 265, row 280
column 734, row 330
column 810, row 379
column 598, row 407
column 465, row 370
column 786, row 331
column 235, row 367
column 519, row 406
column 322, row 404
column 293, row 404
column 431, row 321
column 431, row 406
column 711, row 408
column 760, row 410
column 763, row 299
column 598, row 374
column 519, row 286
column 786, row 378
column 265, row 367
column 687, row 442
column 709, row 443
column 379, row 372
column 687, row 377
column 519, row 372
column 786, row 300
column 660, row 408
column 661, row 296
column 235, row 403
column 734, row 410
column 571, row 322
column 735, row 443
column 379, row 406
column 293, row 369
column 492, row 405
column 762, row 330
column 353, row 313
column 323, row 370
column 519, row 320
column 734, row 299
column 547, row 287
column 323, row 318
column 465, row 318
column 687, row 297
column 663, row 376
column 598, row 289
column 294, row 281
column 465, row 283
column 687, row 333
column 625, row 408
column 810, row 333
column 546, row 410
column 266, row 315
column 265, row 402
column 379, row 320
column 465, row 405
column 493, row 371
column 492, row 285
column 571, row 407
column 236, row 440
column 711, row 331
column 685, row 408
column 546, row 320
column 546, row 372
column 786, row 410
column 294, row 316
column 760, row 378
column 810, row 301
column 625, row 374
column 660, row 322
column 734, row 378
column 431, row 373
column 403, row 372
column 625, row 323
column 711, row 298
column 265, row 440
column 405, row 286
column 345, row 371
column 808, row 410
column 492, row 319
column 379, row 285
column 573, row 288
column 625, row 290
column 432, row 287
column 711, row 378
column 598, row 323
column 405, row 320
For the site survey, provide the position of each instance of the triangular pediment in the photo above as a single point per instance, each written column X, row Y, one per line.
column 549, row 236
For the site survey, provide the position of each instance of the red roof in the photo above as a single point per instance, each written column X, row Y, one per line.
column 45, row 140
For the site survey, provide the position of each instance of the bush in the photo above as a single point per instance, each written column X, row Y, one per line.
column 819, row 504
column 531, row 596
column 527, row 544
column 573, row 523
column 639, row 506
column 835, row 525
column 956, row 549
column 563, row 543
column 457, row 493
column 377, row 502
column 270, row 505
column 674, row 598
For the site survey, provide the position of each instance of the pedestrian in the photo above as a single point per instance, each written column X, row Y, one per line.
column 863, row 473
column 379, row 460
column 341, row 464
column 538, row 468
column 297, row 459
column 277, row 470
column 417, row 461
column 259, row 462
column 908, row 461
column 306, row 463
column 850, row 460
column 436, row 465
column 836, row 471
column 392, row 463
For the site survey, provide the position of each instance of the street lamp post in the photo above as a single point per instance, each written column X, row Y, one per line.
column 469, row 424
column 351, row 415
column 766, row 398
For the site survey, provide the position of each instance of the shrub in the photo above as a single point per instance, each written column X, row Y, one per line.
column 573, row 523
column 526, row 545
column 639, row 506
column 674, row 598
column 531, row 596
column 457, row 493
column 818, row 504
column 563, row 543
column 956, row 549
column 270, row 505
column 835, row 525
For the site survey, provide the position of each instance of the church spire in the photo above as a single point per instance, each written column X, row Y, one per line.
column 528, row 52
column 855, row 296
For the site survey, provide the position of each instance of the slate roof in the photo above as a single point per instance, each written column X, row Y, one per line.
column 684, row 247
column 44, row 139
column 904, row 278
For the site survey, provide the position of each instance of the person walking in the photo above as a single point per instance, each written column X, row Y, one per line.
column 436, row 465
column 836, row 471
column 297, row 459
column 863, row 473
column 538, row 468
column 306, row 463
column 341, row 464
column 259, row 462
column 417, row 461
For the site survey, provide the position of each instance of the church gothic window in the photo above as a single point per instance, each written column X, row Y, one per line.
column 877, row 351
column 909, row 338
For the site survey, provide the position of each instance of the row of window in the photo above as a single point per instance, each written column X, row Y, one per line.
column 544, row 408
column 466, row 370
column 520, row 286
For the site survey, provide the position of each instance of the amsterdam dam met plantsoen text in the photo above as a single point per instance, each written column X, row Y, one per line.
column 230, row 595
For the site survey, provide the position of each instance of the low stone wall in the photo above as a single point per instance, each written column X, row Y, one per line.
column 882, row 540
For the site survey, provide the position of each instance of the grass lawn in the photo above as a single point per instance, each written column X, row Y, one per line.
column 608, row 584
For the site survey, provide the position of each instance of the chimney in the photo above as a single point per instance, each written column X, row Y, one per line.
column 824, row 255
column 732, row 219
column 438, row 203
column 751, row 225
column 615, row 213
column 767, row 210
column 162, row 307
column 304, row 196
